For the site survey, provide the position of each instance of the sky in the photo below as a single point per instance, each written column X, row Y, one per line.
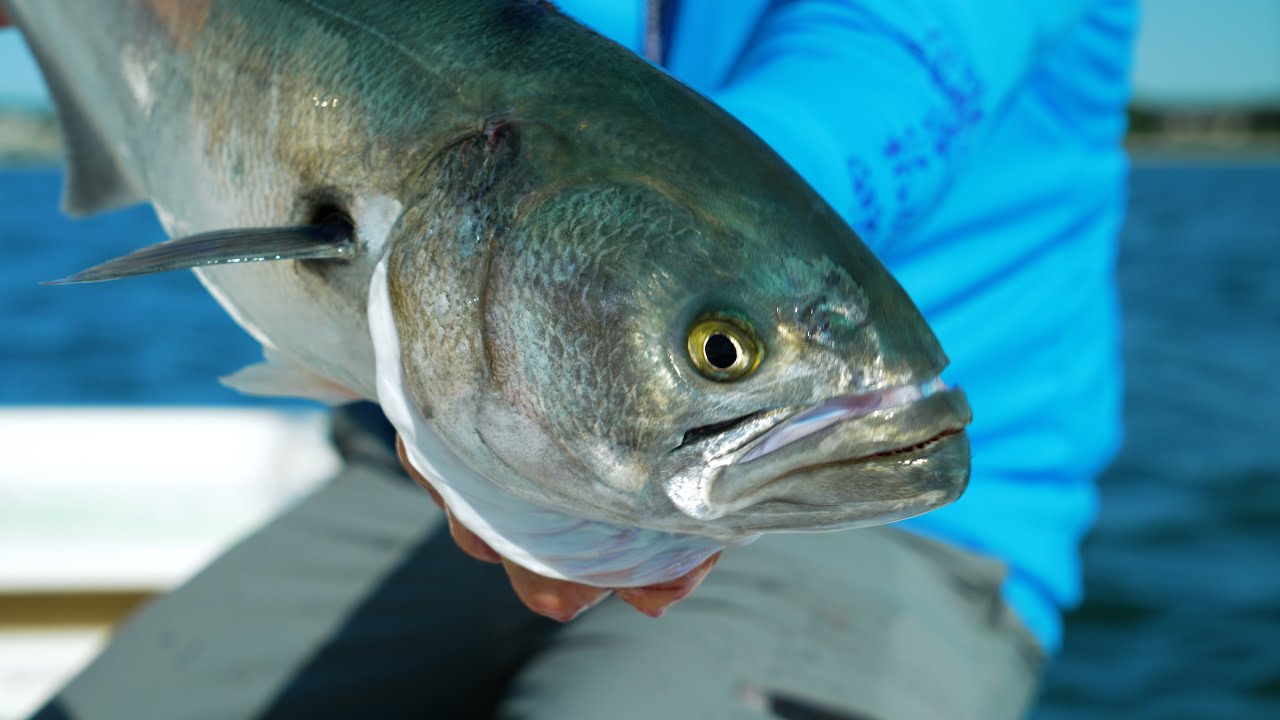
column 20, row 82
column 1191, row 53
column 1209, row 53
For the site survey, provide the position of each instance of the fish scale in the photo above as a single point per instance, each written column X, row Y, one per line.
column 536, row 222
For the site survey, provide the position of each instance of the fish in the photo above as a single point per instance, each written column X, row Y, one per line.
column 614, row 329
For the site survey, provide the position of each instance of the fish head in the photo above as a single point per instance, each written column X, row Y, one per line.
column 721, row 358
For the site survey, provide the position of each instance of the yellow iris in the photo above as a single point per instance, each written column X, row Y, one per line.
column 724, row 348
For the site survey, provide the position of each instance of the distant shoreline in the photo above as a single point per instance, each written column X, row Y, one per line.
column 28, row 138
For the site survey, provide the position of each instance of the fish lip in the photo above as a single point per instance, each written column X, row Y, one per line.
column 842, row 409
column 901, row 452
column 792, row 514
column 813, row 485
column 879, row 430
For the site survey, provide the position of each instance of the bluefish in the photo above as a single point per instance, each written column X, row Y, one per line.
column 611, row 325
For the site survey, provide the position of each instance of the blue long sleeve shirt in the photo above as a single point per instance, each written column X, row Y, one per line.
column 975, row 146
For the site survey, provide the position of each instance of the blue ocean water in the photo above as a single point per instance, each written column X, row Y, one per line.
column 1182, row 617
column 1182, row 572
column 155, row 340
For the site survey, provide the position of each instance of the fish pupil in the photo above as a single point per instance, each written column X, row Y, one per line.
column 721, row 351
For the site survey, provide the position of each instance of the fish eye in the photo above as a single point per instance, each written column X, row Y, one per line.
column 724, row 348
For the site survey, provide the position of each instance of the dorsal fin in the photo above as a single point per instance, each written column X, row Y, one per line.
column 95, row 179
column 307, row 242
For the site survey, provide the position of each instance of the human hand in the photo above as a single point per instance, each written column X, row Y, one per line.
column 560, row 599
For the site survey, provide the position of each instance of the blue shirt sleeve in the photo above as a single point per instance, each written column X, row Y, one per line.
column 875, row 103
column 976, row 146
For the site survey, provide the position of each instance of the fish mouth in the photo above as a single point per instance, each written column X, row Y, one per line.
column 717, row 430
column 851, row 461
column 841, row 409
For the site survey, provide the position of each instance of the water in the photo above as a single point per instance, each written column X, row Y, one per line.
column 1183, row 569
column 158, row 340
column 1183, row 614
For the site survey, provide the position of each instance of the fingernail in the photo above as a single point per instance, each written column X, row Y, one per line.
column 650, row 602
column 654, row 600
column 469, row 542
column 563, row 608
column 599, row 599
column 413, row 473
column 654, row 613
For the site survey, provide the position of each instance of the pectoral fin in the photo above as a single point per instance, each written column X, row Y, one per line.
column 276, row 376
column 308, row 242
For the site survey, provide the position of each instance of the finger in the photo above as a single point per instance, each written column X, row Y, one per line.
column 413, row 473
column 653, row 600
column 557, row 599
column 469, row 542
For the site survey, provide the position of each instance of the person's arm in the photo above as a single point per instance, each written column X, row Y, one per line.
column 873, row 102
column 876, row 102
